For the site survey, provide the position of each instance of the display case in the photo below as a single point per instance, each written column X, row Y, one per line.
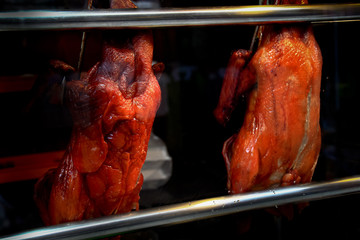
column 184, row 194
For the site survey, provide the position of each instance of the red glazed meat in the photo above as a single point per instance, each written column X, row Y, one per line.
column 113, row 109
column 279, row 141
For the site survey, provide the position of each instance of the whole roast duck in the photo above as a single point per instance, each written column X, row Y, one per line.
column 113, row 108
column 280, row 138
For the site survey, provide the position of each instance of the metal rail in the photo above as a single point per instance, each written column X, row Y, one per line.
column 142, row 18
column 200, row 209
column 191, row 211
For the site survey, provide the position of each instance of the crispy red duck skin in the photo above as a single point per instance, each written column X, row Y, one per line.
column 279, row 141
column 113, row 109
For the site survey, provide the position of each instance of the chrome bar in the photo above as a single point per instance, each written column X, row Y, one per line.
column 145, row 18
column 191, row 211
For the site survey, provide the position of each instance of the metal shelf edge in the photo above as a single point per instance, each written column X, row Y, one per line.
column 145, row 18
column 195, row 210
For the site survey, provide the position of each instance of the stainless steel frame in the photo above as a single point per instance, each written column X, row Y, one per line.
column 136, row 18
column 191, row 211
column 200, row 209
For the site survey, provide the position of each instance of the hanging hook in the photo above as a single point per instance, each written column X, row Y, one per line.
column 258, row 29
column 254, row 39
column 83, row 39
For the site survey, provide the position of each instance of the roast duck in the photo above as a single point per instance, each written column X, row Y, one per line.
column 113, row 107
column 279, row 140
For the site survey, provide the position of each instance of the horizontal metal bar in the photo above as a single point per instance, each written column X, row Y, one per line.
column 145, row 18
column 191, row 211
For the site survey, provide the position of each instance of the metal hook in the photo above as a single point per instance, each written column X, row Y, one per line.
column 255, row 38
column 257, row 34
column 83, row 39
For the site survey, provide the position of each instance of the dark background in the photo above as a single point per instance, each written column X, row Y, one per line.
column 195, row 59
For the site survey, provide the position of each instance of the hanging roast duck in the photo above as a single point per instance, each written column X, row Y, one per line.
column 280, row 138
column 113, row 108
